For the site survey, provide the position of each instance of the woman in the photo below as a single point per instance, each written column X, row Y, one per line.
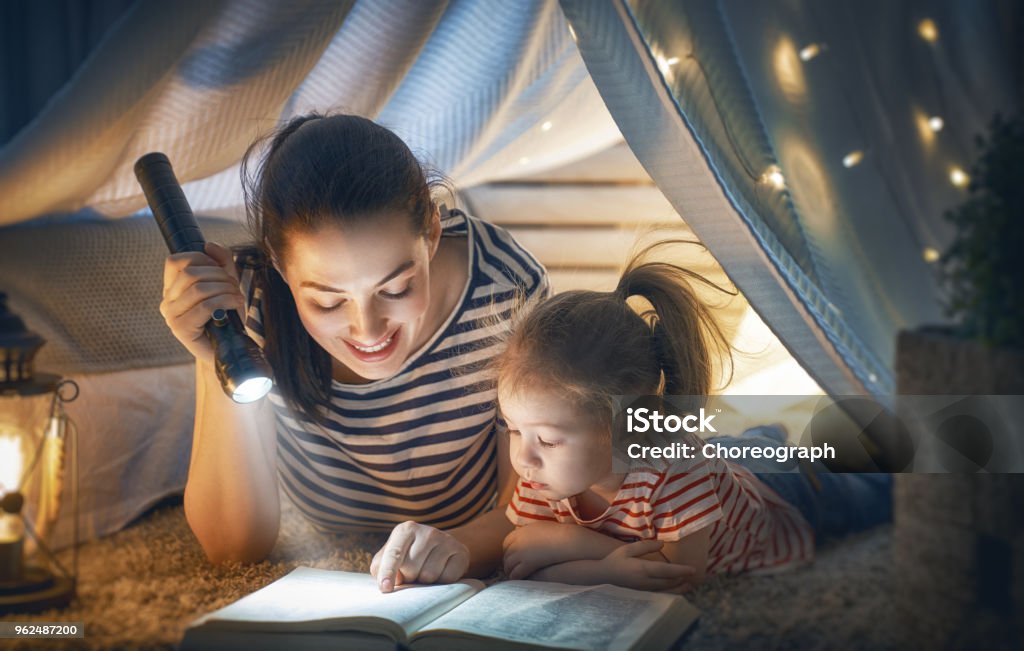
column 377, row 314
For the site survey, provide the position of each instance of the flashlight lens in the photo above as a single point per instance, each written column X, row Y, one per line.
column 252, row 389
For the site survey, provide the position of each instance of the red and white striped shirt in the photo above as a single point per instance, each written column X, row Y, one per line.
column 752, row 528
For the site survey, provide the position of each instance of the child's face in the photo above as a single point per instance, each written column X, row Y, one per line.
column 362, row 292
column 555, row 448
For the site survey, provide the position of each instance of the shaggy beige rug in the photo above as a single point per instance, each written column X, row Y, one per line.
column 142, row 586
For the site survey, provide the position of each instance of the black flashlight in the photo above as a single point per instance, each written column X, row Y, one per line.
column 241, row 368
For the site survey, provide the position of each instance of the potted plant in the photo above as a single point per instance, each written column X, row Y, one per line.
column 959, row 538
column 983, row 268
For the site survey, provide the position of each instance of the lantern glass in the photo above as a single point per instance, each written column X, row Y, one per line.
column 12, row 456
column 32, row 473
column 24, row 421
column 32, row 479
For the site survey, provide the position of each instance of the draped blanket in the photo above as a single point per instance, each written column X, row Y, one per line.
column 467, row 84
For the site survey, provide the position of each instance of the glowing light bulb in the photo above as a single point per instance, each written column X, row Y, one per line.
column 809, row 52
column 924, row 128
column 853, row 158
column 935, row 123
column 546, row 126
column 524, row 160
column 789, row 71
column 10, row 459
column 773, row 176
column 252, row 390
column 958, row 177
column 928, row 30
column 930, row 254
column 665, row 64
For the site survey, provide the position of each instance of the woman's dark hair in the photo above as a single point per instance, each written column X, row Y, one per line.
column 319, row 170
column 593, row 345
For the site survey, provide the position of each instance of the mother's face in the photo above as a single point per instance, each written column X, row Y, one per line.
column 363, row 292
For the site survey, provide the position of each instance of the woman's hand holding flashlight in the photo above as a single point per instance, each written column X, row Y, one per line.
column 196, row 284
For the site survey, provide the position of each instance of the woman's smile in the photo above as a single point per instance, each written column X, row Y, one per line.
column 378, row 351
column 363, row 296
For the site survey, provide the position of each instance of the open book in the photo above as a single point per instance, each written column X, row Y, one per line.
column 315, row 609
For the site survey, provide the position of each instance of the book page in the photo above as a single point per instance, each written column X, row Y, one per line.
column 309, row 599
column 557, row 615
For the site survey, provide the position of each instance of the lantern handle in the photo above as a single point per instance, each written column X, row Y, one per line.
column 64, row 384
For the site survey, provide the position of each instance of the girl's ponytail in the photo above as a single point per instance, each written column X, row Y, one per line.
column 685, row 336
column 593, row 346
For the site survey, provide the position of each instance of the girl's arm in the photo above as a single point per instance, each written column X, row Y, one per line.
column 534, row 546
column 691, row 551
column 634, row 565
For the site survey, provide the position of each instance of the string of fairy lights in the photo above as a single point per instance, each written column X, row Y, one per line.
column 929, row 122
column 929, row 125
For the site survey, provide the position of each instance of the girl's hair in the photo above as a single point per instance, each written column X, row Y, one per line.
column 320, row 170
column 592, row 346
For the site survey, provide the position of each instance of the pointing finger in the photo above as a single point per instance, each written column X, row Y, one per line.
column 392, row 556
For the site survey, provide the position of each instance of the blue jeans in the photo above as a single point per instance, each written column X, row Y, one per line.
column 844, row 502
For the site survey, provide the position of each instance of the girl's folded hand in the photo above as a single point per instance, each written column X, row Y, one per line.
column 625, row 568
column 539, row 545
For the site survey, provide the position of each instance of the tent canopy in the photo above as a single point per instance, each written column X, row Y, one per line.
column 798, row 140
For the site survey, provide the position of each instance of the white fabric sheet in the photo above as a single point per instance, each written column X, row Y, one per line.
column 467, row 84
column 134, row 441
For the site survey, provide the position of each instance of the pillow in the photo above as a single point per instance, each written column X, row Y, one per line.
column 92, row 289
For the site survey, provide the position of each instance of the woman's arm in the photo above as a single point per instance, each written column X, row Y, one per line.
column 420, row 553
column 231, row 497
column 483, row 535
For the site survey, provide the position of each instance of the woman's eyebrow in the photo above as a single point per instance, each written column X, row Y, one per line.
column 405, row 266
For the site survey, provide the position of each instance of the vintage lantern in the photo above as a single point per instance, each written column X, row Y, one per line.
column 38, row 451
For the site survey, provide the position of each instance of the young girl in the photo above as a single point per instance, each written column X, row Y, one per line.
column 576, row 516
column 373, row 307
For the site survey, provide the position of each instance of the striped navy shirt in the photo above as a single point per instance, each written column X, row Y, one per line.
column 420, row 445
